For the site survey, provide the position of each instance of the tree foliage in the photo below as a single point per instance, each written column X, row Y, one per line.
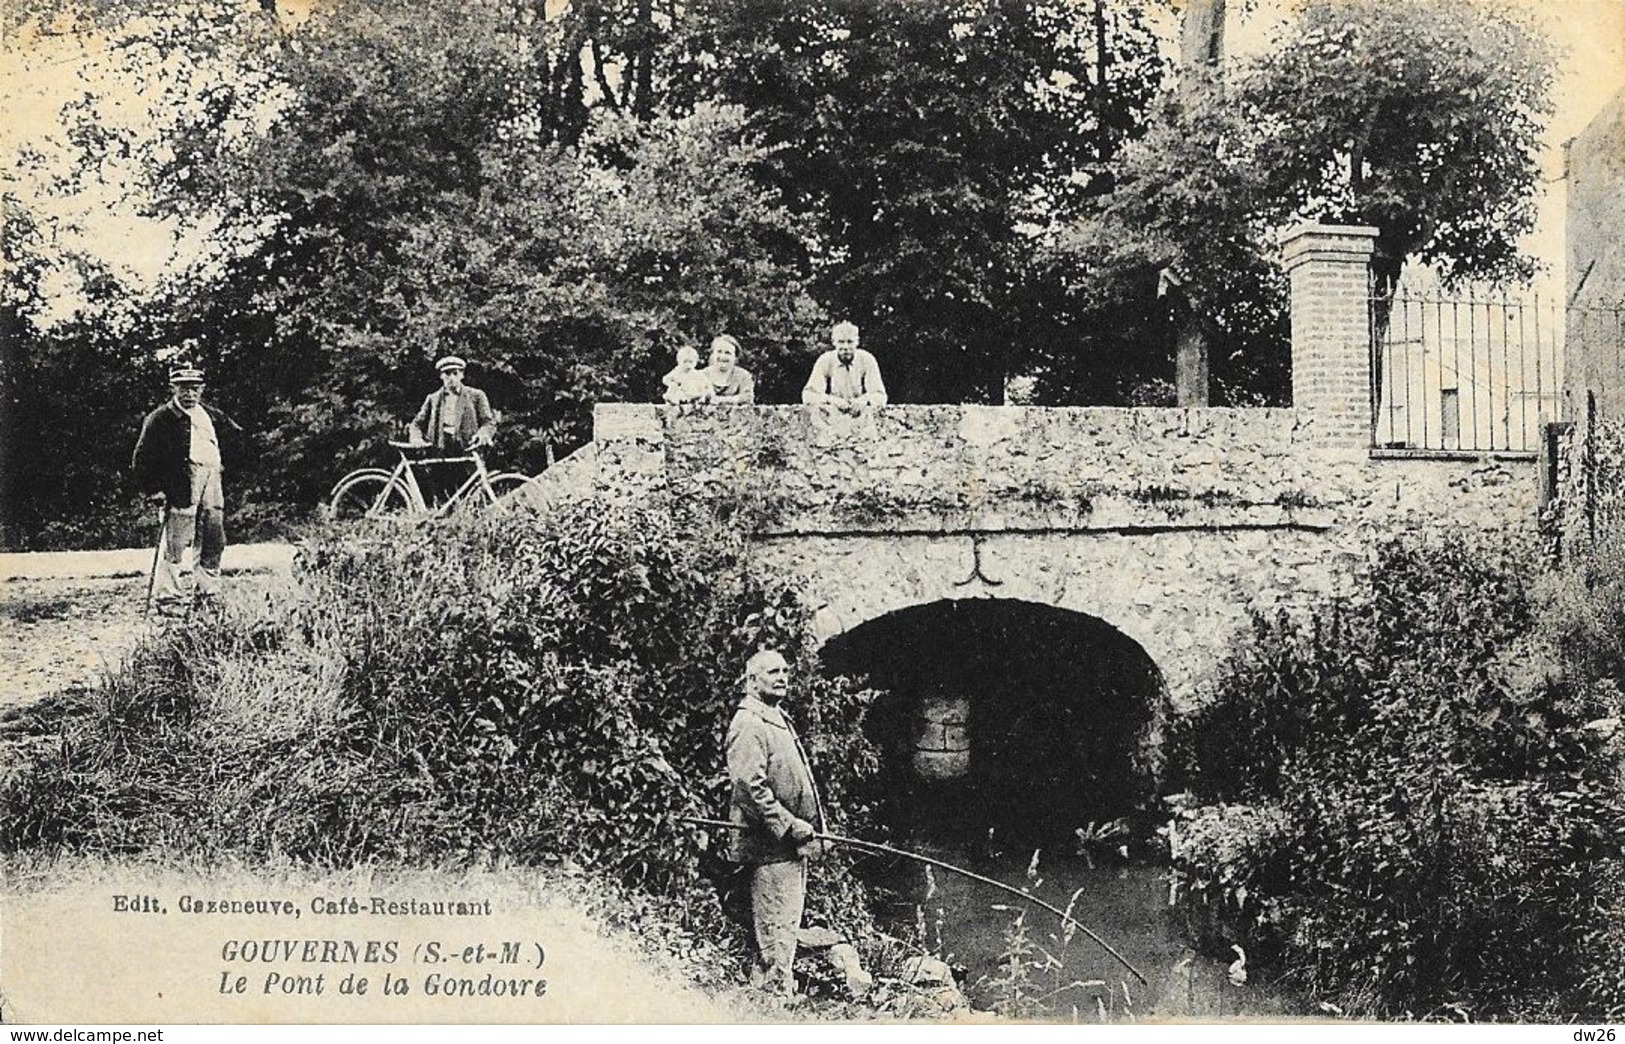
column 65, row 397
column 932, row 143
column 395, row 188
column 549, row 693
column 1190, row 214
column 1421, row 118
column 1395, row 793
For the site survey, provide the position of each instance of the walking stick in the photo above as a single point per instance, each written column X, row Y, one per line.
column 157, row 552
column 875, row 846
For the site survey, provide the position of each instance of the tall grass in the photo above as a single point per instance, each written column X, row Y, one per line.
column 540, row 690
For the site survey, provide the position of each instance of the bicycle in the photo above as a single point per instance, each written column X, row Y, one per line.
column 377, row 493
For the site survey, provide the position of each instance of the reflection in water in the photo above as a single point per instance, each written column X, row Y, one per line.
column 975, row 929
column 1010, row 726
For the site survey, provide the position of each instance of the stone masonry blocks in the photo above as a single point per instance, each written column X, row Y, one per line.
column 1168, row 524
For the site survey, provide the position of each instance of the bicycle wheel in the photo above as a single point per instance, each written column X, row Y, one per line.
column 506, row 485
column 351, row 476
column 369, row 494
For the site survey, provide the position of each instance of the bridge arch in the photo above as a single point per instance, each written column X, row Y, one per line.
column 1175, row 595
column 1007, row 715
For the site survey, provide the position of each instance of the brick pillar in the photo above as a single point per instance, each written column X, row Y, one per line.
column 1328, row 266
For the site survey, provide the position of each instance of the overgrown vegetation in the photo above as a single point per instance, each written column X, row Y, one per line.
column 548, row 694
column 568, row 192
column 1412, row 800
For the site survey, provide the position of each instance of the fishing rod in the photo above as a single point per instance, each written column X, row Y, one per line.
column 876, row 846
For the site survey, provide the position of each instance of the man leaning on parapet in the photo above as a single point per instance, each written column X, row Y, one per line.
column 846, row 377
column 774, row 803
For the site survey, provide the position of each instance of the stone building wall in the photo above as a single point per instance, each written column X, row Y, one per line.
column 1595, row 234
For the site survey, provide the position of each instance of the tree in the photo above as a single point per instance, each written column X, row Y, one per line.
column 932, row 143
column 1422, row 118
column 1180, row 252
column 1419, row 117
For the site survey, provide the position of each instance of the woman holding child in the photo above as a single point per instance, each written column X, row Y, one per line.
column 722, row 380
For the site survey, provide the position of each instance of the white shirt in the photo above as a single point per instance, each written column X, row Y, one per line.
column 687, row 386
column 205, row 449
column 449, row 403
column 834, row 381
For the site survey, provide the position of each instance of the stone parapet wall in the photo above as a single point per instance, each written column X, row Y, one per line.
column 945, row 469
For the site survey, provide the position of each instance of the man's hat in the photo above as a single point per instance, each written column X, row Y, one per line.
column 450, row 362
column 185, row 373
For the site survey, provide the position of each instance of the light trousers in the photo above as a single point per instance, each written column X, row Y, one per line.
column 204, row 522
column 778, row 894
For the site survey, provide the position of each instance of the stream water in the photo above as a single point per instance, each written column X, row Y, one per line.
column 973, row 927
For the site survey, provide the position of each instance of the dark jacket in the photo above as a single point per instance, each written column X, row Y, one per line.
column 164, row 450
column 474, row 417
column 772, row 785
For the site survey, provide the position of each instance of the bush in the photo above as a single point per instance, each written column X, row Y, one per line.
column 1395, row 794
column 548, row 692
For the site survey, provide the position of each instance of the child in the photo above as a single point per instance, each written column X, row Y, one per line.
column 687, row 383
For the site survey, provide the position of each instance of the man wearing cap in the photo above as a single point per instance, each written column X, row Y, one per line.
column 453, row 420
column 456, row 418
column 178, row 463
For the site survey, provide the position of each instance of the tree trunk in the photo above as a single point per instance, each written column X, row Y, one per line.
column 645, row 40
column 1201, row 40
column 1103, row 135
column 1201, row 48
column 1190, row 360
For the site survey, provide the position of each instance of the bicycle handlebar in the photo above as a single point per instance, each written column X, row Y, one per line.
column 406, row 448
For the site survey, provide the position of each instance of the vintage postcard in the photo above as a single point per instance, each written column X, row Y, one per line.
column 565, row 512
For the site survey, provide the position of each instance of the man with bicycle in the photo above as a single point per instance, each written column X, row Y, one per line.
column 453, row 420
column 457, row 418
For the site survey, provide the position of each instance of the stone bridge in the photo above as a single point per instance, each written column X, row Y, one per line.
column 1050, row 585
column 1166, row 524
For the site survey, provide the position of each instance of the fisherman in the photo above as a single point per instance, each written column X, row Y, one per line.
column 774, row 803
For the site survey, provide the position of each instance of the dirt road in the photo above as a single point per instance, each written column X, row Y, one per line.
column 67, row 618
